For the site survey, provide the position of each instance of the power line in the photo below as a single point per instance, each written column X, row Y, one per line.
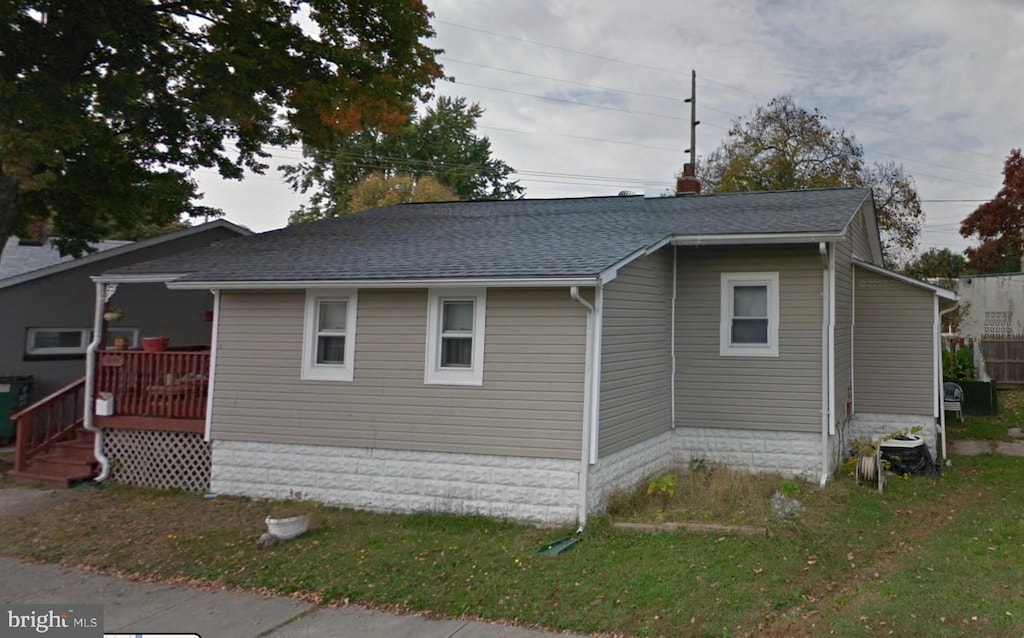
column 702, row 78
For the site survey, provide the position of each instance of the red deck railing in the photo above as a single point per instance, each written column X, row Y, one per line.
column 155, row 384
column 47, row 422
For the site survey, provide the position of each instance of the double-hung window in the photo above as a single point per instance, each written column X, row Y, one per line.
column 455, row 336
column 329, row 338
column 750, row 315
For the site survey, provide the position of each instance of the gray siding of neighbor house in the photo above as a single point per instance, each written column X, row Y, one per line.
column 893, row 346
column 636, row 362
column 66, row 299
column 843, row 329
column 768, row 393
column 530, row 404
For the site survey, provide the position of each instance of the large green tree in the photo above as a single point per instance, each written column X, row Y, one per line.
column 378, row 189
column 999, row 224
column 936, row 263
column 442, row 143
column 783, row 146
column 108, row 106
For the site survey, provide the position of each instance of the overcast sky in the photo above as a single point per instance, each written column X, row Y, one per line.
column 584, row 97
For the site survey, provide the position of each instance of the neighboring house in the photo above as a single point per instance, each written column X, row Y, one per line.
column 991, row 305
column 48, row 303
column 526, row 358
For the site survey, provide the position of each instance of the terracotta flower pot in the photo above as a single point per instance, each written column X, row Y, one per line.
column 154, row 344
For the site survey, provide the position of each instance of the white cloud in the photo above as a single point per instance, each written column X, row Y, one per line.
column 932, row 84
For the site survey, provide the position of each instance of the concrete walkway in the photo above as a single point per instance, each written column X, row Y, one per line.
column 132, row 608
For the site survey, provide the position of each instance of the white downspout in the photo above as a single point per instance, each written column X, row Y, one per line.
column 574, row 292
column 832, row 342
column 823, row 250
column 853, row 332
column 90, row 384
column 940, row 404
column 595, row 393
column 672, row 337
column 214, row 334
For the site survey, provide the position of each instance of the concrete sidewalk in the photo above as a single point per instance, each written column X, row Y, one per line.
column 132, row 608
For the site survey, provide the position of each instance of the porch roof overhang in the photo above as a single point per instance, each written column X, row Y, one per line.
column 942, row 293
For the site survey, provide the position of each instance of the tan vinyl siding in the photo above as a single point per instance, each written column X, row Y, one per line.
column 635, row 361
column 531, row 402
column 858, row 235
column 777, row 393
column 893, row 346
column 843, row 328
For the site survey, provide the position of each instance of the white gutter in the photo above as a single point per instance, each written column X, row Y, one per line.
column 588, row 376
column 755, row 238
column 211, row 373
column 156, row 278
column 823, row 250
column 672, row 337
column 503, row 282
column 90, row 383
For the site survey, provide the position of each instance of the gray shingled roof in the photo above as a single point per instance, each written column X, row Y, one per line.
column 518, row 238
column 18, row 260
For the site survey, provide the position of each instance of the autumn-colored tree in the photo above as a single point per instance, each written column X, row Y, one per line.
column 108, row 106
column 783, row 146
column 442, row 143
column 378, row 189
column 999, row 224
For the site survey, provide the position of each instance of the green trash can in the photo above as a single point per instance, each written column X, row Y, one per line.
column 14, row 393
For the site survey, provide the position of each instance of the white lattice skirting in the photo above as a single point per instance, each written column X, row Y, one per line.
column 164, row 460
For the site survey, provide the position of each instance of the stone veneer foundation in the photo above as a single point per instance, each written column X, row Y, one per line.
column 532, row 490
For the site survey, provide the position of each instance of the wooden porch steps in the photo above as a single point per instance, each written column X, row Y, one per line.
column 66, row 463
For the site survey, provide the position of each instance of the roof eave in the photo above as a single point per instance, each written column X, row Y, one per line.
column 942, row 293
column 739, row 239
column 439, row 282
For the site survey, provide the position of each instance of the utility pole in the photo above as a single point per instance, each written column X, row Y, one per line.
column 687, row 182
column 693, row 120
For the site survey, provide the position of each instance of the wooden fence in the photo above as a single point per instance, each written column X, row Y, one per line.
column 1004, row 360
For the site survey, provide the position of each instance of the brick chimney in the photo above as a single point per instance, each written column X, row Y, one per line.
column 687, row 183
column 36, row 233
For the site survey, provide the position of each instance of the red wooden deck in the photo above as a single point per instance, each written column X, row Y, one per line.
column 161, row 385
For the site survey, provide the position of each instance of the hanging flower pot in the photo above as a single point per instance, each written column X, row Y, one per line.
column 113, row 314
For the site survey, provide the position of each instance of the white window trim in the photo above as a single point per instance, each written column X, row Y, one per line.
column 85, row 336
column 725, row 346
column 433, row 372
column 311, row 370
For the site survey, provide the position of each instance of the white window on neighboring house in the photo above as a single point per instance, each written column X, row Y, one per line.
column 749, row 315
column 455, row 336
column 43, row 342
column 329, row 337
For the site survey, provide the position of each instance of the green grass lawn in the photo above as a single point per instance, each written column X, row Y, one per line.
column 994, row 427
column 937, row 557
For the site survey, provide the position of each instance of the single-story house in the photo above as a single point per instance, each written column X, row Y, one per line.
column 48, row 306
column 527, row 358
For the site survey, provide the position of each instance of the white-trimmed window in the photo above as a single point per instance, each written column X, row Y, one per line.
column 72, row 341
column 329, row 337
column 750, row 315
column 455, row 336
